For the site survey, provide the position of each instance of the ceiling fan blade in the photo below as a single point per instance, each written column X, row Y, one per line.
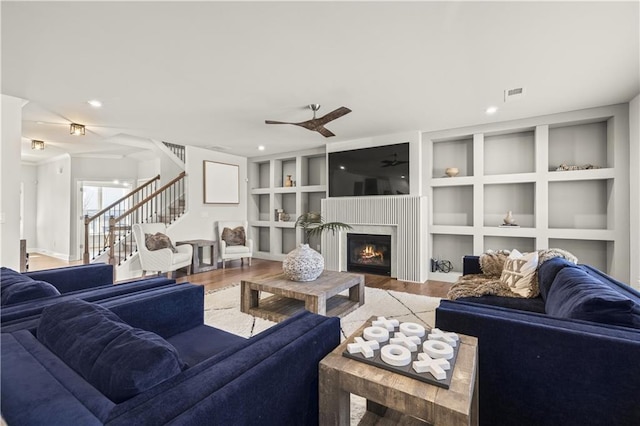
column 277, row 122
column 323, row 131
column 335, row 114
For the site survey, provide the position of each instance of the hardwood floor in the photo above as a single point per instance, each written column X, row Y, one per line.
column 235, row 272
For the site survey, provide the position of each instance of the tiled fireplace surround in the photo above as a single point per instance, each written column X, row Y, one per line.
column 402, row 217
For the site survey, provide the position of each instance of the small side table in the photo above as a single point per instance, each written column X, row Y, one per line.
column 396, row 398
column 197, row 262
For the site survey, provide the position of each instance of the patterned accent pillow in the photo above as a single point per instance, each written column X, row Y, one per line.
column 519, row 272
column 158, row 241
column 235, row 236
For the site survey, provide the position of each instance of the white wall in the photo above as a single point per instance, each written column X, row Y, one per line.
column 634, row 190
column 53, row 218
column 9, row 189
column 149, row 168
column 200, row 218
column 29, row 179
column 415, row 152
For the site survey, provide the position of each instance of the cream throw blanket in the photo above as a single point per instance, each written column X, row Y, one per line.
column 489, row 283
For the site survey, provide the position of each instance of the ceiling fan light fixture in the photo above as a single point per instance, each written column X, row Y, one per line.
column 37, row 145
column 77, row 129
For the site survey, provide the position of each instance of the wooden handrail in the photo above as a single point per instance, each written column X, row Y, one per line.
column 150, row 197
column 135, row 191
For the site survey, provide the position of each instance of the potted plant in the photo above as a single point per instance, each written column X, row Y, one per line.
column 304, row 263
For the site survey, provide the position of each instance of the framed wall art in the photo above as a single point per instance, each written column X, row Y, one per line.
column 221, row 183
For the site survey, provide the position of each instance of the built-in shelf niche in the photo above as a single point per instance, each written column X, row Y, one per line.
column 263, row 207
column 312, row 201
column 522, row 244
column 519, row 198
column 453, row 205
column 314, row 170
column 579, row 204
column 452, row 248
column 263, row 236
column 284, row 168
column 596, row 253
column 263, row 175
column 453, row 153
column 286, row 202
column 509, row 153
column 579, row 145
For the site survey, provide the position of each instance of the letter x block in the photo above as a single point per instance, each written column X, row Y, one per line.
column 390, row 324
column 436, row 367
column 450, row 338
column 409, row 342
column 365, row 347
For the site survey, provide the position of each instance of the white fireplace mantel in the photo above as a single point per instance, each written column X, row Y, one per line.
column 402, row 217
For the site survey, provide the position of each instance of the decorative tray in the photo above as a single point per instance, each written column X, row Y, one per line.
column 404, row 350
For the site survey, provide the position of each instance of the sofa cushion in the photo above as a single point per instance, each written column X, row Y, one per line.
column 235, row 236
column 519, row 272
column 117, row 359
column 547, row 273
column 16, row 287
column 158, row 241
column 577, row 295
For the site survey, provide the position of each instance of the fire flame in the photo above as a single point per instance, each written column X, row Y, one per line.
column 369, row 253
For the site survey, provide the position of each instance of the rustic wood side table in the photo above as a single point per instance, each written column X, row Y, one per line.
column 197, row 262
column 289, row 297
column 398, row 398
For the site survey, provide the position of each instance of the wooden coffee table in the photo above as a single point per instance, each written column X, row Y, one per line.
column 397, row 398
column 290, row 297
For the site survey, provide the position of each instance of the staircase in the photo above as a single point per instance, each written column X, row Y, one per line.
column 108, row 233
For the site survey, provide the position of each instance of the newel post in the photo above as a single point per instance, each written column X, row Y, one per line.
column 85, row 254
column 112, row 227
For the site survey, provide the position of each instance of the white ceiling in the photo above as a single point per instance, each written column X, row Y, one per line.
column 209, row 73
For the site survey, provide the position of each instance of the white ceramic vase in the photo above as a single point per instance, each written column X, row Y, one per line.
column 303, row 264
column 508, row 219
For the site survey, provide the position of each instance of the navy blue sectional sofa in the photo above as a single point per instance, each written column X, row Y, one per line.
column 24, row 296
column 569, row 357
column 201, row 375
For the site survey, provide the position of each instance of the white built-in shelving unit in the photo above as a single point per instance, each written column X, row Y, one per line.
column 273, row 239
column 512, row 166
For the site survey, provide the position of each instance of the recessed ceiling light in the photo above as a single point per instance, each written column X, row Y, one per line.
column 95, row 103
column 342, row 167
column 491, row 110
column 261, row 147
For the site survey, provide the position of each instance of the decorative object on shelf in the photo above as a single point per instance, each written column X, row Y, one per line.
column 303, row 264
column 441, row 266
column 564, row 167
column 452, row 171
column 508, row 219
column 288, row 182
column 277, row 214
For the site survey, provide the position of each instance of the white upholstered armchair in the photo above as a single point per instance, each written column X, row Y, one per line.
column 161, row 260
column 234, row 243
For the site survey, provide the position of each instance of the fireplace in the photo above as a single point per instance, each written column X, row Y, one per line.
column 369, row 253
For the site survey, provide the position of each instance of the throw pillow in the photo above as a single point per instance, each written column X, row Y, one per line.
column 158, row 241
column 235, row 236
column 16, row 287
column 119, row 360
column 576, row 294
column 519, row 272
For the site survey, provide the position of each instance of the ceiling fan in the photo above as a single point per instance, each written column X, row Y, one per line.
column 394, row 162
column 317, row 124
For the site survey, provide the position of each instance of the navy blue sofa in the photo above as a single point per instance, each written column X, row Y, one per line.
column 269, row 379
column 568, row 357
column 92, row 282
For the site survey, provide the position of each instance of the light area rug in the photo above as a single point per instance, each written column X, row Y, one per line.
column 222, row 310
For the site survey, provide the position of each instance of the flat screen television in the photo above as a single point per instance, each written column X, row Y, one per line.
column 379, row 170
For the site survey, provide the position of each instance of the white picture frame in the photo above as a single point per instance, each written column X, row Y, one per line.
column 221, row 183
